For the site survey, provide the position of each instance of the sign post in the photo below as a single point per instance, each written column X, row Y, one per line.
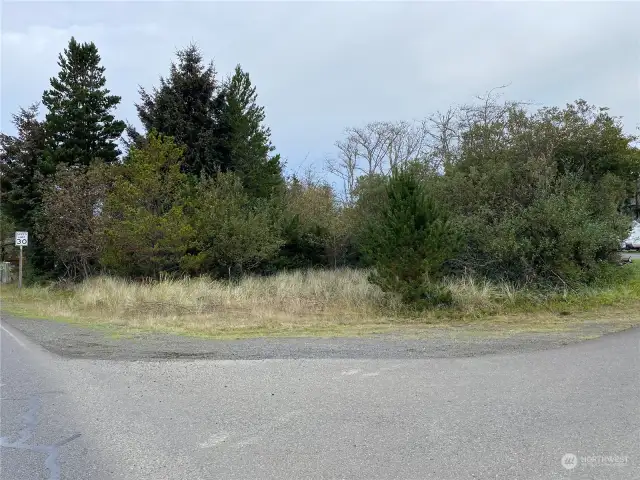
column 22, row 240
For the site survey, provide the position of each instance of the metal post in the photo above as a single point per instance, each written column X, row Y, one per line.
column 20, row 269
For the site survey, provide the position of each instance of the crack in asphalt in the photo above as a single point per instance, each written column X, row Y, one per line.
column 30, row 423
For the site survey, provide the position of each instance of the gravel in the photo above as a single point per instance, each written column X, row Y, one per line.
column 74, row 341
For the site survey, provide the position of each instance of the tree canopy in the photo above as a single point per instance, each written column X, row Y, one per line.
column 494, row 189
column 80, row 124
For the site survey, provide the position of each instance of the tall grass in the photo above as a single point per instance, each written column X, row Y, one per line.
column 292, row 301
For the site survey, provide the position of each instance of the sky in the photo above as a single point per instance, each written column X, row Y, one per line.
column 320, row 67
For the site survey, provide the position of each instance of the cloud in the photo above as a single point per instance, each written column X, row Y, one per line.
column 322, row 66
column 40, row 40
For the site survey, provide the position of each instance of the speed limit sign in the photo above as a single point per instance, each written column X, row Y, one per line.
column 22, row 239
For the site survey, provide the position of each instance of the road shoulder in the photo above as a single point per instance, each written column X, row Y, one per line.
column 73, row 341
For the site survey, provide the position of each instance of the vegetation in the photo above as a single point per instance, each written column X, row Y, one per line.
column 408, row 248
column 492, row 194
column 79, row 124
column 184, row 107
column 324, row 302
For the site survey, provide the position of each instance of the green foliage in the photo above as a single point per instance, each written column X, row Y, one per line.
column 22, row 167
column 7, row 229
column 410, row 244
column 242, row 141
column 184, row 108
column 148, row 231
column 370, row 199
column 220, row 126
column 537, row 196
column 22, row 170
column 590, row 142
column 539, row 206
column 235, row 231
column 80, row 125
column 311, row 226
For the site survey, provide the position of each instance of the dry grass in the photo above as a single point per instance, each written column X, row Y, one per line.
column 329, row 302
column 288, row 301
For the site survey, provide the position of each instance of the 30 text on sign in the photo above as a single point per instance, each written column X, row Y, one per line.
column 22, row 239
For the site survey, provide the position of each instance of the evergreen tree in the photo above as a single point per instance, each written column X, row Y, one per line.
column 183, row 108
column 133, row 139
column 80, row 125
column 22, row 167
column 410, row 244
column 242, row 141
column 22, row 170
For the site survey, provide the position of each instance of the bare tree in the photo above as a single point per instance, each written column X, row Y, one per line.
column 376, row 148
column 345, row 165
column 435, row 141
column 448, row 129
column 443, row 131
column 72, row 224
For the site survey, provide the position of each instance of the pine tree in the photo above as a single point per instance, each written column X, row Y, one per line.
column 22, row 167
column 410, row 244
column 183, row 108
column 22, row 170
column 80, row 125
column 242, row 141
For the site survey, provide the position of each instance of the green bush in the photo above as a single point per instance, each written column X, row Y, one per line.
column 410, row 244
column 147, row 227
column 537, row 207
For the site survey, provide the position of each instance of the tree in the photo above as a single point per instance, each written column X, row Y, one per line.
column 132, row 139
column 538, row 194
column 183, row 107
column 376, row 149
column 588, row 141
column 22, row 167
column 235, row 231
column 448, row 130
column 308, row 220
column 243, row 143
column 408, row 248
column 147, row 227
column 80, row 125
column 339, row 239
column 7, row 229
column 72, row 223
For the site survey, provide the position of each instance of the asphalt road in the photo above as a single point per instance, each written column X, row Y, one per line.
column 504, row 416
column 635, row 256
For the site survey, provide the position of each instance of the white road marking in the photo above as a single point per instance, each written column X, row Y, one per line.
column 253, row 436
column 14, row 337
column 372, row 374
column 350, row 372
column 214, row 440
column 394, row 367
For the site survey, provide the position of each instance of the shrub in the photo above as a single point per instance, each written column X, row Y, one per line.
column 410, row 244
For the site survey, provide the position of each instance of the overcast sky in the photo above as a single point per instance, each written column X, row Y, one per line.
column 320, row 67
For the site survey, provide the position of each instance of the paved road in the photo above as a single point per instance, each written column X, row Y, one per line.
column 507, row 416
column 635, row 256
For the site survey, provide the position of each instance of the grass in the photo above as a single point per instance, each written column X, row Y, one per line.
column 321, row 303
